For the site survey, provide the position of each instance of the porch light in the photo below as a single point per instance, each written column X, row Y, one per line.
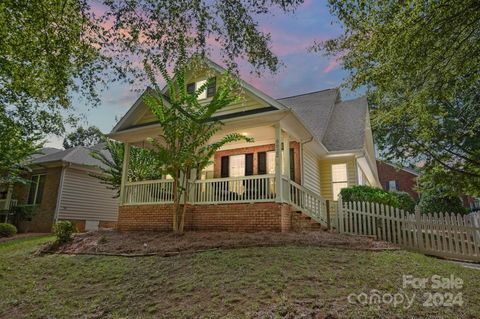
column 244, row 133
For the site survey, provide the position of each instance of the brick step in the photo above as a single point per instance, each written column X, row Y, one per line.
column 306, row 221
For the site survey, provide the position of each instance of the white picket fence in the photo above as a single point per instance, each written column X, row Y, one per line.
column 444, row 235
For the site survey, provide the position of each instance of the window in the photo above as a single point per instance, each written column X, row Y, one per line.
column 208, row 92
column 236, row 165
column 35, row 193
column 339, row 179
column 392, row 186
column 271, row 162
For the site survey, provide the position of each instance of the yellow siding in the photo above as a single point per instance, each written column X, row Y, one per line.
column 326, row 174
column 246, row 101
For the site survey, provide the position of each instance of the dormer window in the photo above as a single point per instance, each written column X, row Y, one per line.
column 209, row 92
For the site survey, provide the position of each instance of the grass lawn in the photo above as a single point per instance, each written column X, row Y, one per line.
column 257, row 282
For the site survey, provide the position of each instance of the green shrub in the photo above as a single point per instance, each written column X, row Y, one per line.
column 438, row 203
column 405, row 201
column 362, row 193
column 7, row 230
column 64, row 230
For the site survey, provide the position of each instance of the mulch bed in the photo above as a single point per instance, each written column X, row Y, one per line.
column 133, row 244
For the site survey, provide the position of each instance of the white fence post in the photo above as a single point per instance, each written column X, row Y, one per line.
column 340, row 218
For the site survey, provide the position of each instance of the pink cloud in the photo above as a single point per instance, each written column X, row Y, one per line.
column 333, row 63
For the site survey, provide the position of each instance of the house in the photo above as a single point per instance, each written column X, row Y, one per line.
column 307, row 148
column 393, row 178
column 61, row 188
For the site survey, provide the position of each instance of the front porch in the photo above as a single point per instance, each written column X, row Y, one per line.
column 242, row 175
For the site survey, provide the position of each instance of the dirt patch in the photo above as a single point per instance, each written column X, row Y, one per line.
column 165, row 244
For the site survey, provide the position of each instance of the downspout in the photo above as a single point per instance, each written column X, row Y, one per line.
column 59, row 192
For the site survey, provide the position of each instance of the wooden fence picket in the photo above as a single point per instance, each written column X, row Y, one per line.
column 443, row 234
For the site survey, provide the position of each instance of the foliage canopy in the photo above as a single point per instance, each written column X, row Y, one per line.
column 420, row 63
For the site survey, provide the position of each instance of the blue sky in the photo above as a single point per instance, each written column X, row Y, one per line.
column 302, row 71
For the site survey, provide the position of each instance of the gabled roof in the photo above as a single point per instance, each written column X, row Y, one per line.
column 273, row 103
column 346, row 128
column 338, row 125
column 79, row 155
column 45, row 151
column 314, row 109
column 261, row 95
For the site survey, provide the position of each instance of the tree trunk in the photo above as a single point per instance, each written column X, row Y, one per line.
column 176, row 202
column 184, row 209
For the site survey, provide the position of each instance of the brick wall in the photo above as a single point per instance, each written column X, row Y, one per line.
column 223, row 217
column 255, row 150
column 43, row 219
column 406, row 181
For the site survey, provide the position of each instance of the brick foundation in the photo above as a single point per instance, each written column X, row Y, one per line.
column 222, row 217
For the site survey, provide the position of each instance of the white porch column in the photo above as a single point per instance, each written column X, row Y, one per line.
column 126, row 160
column 286, row 166
column 278, row 163
column 286, row 155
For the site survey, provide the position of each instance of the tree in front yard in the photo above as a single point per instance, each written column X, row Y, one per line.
column 16, row 146
column 83, row 137
column 142, row 165
column 438, row 202
column 420, row 63
column 186, row 129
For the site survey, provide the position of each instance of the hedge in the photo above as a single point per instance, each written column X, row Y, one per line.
column 363, row 193
column 7, row 230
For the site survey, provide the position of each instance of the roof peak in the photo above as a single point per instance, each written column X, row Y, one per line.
column 308, row 93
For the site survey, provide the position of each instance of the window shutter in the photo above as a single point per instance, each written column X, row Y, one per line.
column 292, row 165
column 262, row 163
column 191, row 88
column 224, row 168
column 212, row 87
column 248, row 164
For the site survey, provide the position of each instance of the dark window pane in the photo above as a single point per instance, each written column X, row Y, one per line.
column 292, row 164
column 262, row 163
column 191, row 88
column 224, row 169
column 212, row 87
column 248, row 164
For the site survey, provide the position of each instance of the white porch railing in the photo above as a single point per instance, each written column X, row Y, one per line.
column 149, row 192
column 3, row 202
column 307, row 201
column 245, row 189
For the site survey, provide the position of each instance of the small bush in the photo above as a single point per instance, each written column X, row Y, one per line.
column 64, row 230
column 7, row 230
column 405, row 201
column 362, row 193
column 437, row 203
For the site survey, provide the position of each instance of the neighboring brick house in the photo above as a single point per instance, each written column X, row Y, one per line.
column 394, row 179
column 61, row 188
column 405, row 180
column 261, row 185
